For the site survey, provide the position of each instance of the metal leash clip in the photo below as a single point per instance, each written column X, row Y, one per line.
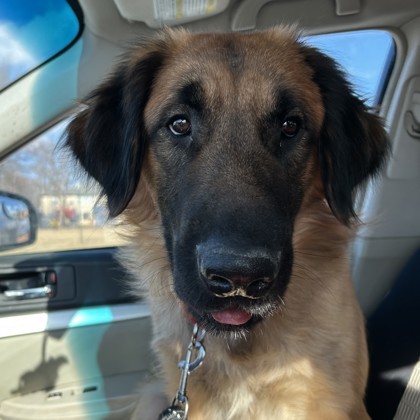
column 178, row 410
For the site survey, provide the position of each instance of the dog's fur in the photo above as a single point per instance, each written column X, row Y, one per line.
column 278, row 147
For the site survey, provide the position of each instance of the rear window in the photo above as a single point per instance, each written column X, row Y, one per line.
column 366, row 56
column 32, row 33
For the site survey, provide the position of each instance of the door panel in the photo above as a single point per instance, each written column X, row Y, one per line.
column 85, row 354
column 83, row 278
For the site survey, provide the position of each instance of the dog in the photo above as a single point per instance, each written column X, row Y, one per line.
column 234, row 159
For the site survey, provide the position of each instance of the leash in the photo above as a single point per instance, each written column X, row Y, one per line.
column 178, row 410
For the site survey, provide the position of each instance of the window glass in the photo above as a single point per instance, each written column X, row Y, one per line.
column 367, row 57
column 32, row 32
column 70, row 216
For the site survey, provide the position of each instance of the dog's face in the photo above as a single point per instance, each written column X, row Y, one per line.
column 231, row 131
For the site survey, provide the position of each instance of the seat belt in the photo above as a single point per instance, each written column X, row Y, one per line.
column 409, row 407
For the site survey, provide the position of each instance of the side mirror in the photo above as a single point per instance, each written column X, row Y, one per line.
column 18, row 221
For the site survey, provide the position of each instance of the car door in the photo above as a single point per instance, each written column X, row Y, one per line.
column 83, row 347
column 73, row 340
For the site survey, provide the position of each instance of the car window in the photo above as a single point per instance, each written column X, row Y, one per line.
column 69, row 212
column 33, row 32
column 366, row 56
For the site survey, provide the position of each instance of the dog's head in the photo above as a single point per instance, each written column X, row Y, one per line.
column 233, row 129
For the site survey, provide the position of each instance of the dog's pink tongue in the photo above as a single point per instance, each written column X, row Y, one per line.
column 231, row 316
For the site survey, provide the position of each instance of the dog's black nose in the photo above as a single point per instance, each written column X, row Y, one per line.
column 229, row 272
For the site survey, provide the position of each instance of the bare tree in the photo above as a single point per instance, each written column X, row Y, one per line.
column 43, row 168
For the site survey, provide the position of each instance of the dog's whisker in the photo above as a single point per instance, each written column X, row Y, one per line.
column 311, row 254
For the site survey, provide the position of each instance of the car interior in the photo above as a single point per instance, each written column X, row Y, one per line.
column 74, row 343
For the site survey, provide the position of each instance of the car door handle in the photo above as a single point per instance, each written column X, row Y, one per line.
column 46, row 291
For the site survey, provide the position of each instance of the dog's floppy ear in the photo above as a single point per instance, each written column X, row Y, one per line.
column 353, row 144
column 108, row 136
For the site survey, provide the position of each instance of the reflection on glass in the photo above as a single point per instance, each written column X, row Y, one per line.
column 15, row 225
column 31, row 32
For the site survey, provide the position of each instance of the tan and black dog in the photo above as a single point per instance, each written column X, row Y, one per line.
column 234, row 159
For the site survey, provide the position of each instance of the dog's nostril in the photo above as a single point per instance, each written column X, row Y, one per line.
column 259, row 286
column 218, row 284
column 223, row 286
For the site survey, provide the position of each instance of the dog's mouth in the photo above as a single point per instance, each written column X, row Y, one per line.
column 232, row 320
column 231, row 289
column 234, row 316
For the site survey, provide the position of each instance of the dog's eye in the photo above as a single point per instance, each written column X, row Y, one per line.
column 290, row 127
column 180, row 127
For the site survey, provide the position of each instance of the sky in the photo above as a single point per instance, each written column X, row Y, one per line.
column 365, row 55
